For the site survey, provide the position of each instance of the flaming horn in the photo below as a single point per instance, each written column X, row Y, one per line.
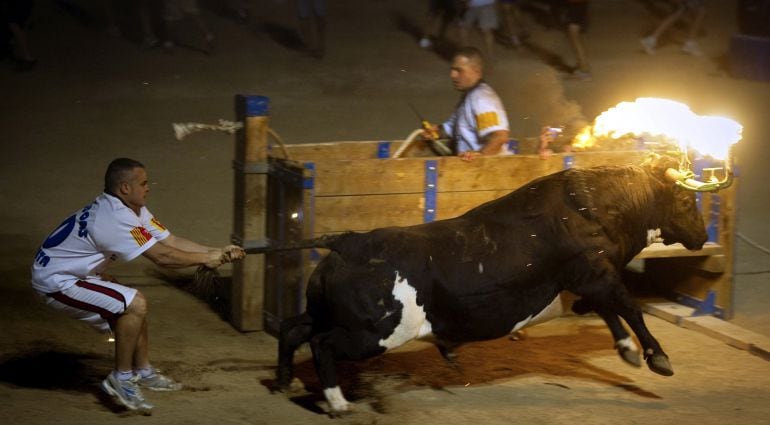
column 686, row 178
column 182, row 130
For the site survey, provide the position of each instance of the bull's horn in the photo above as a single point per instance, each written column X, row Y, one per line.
column 686, row 181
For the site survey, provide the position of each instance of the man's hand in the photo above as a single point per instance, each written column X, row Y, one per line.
column 469, row 155
column 233, row 252
column 220, row 256
column 430, row 133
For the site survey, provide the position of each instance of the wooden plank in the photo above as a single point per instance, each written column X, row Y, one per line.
column 406, row 175
column 725, row 331
column 352, row 150
column 659, row 250
column 362, row 213
column 369, row 177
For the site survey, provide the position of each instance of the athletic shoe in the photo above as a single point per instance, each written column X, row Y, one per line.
column 158, row 382
column 126, row 393
column 648, row 44
column 691, row 47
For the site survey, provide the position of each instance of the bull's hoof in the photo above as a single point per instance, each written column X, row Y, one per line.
column 630, row 356
column 518, row 335
column 295, row 386
column 341, row 412
column 659, row 364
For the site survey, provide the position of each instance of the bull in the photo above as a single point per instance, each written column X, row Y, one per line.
column 493, row 270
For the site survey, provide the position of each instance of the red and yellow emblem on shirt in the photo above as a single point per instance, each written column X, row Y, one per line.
column 487, row 119
column 141, row 235
column 157, row 224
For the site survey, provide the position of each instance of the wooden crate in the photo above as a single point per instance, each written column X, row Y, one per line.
column 348, row 186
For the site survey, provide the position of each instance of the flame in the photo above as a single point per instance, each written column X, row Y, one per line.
column 666, row 119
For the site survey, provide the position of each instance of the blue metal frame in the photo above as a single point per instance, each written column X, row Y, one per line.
column 383, row 149
column 431, row 181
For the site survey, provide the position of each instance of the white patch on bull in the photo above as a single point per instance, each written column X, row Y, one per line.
column 553, row 310
column 652, row 236
column 626, row 343
column 336, row 400
column 413, row 322
column 481, row 268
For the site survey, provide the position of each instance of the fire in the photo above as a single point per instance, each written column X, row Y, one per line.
column 666, row 120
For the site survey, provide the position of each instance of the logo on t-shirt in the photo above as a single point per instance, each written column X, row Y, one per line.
column 487, row 119
column 141, row 235
column 154, row 221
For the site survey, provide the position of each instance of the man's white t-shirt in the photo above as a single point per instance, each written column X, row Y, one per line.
column 84, row 245
column 479, row 113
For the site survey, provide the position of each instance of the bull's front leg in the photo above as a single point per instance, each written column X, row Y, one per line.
column 619, row 301
column 604, row 289
column 656, row 359
column 625, row 346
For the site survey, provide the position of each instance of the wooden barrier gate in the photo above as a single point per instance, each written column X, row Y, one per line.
column 356, row 186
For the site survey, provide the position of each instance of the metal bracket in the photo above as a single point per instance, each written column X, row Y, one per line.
column 569, row 161
column 383, row 150
column 431, row 180
column 250, row 244
column 706, row 307
column 255, row 168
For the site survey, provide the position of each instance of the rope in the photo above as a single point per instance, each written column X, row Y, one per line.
column 412, row 136
column 182, row 130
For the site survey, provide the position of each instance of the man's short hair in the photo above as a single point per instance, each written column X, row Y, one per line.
column 119, row 171
column 473, row 55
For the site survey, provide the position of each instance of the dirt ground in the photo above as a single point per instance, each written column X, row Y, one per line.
column 93, row 98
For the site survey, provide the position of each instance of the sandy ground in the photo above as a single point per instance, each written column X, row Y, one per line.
column 93, row 98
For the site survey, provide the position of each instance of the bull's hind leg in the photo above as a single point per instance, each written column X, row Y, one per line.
column 625, row 346
column 294, row 332
column 339, row 344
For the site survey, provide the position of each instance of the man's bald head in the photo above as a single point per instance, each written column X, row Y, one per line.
column 467, row 68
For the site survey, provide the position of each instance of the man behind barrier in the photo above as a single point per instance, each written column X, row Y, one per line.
column 479, row 124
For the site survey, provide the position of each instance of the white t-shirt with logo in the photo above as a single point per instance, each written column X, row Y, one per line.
column 479, row 113
column 84, row 245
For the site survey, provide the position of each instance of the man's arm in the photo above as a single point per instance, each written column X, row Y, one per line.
column 491, row 145
column 183, row 244
column 167, row 256
column 494, row 141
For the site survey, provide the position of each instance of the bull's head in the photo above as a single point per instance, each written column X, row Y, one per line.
column 681, row 220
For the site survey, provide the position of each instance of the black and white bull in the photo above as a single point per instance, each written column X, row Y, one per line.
column 493, row 270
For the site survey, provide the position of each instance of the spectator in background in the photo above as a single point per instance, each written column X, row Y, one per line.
column 481, row 13
column 514, row 23
column 175, row 12
column 312, row 26
column 697, row 9
column 440, row 14
column 576, row 20
column 15, row 15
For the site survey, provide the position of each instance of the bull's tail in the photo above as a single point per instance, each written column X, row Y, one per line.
column 325, row 241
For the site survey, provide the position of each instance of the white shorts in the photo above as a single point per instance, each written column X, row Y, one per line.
column 97, row 302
